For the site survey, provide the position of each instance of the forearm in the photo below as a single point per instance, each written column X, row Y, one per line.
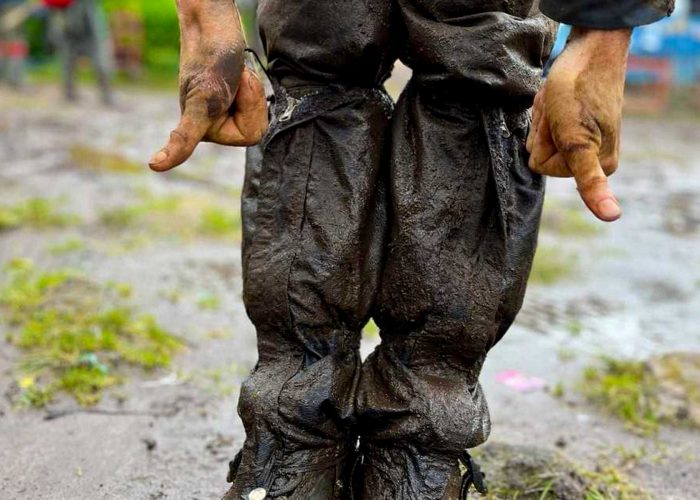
column 221, row 100
column 208, row 25
column 609, row 47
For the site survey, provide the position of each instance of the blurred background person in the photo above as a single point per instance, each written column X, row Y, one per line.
column 79, row 28
column 13, row 46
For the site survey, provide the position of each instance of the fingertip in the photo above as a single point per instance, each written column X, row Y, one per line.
column 608, row 210
column 158, row 158
column 164, row 161
column 160, row 167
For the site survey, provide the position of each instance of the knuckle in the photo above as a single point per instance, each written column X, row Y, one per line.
column 609, row 165
column 535, row 166
column 179, row 136
column 254, row 138
column 572, row 147
column 591, row 183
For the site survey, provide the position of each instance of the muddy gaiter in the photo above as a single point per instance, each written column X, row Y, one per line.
column 425, row 218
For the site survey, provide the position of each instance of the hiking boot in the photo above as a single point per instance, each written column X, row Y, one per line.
column 405, row 473
column 303, row 475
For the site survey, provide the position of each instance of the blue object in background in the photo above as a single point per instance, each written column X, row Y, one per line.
column 676, row 38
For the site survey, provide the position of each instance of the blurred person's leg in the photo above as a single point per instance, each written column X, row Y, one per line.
column 314, row 225
column 464, row 220
column 102, row 68
column 101, row 50
column 3, row 58
column 16, row 55
column 4, row 47
column 68, row 32
column 69, row 55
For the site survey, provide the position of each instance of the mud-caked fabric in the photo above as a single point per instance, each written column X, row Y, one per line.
column 314, row 226
column 465, row 213
column 464, row 217
column 350, row 42
column 604, row 14
column 484, row 51
column 451, row 239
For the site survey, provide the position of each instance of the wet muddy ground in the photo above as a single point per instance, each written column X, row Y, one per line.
column 631, row 289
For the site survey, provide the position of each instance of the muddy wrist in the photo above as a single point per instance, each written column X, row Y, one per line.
column 190, row 7
column 614, row 43
column 209, row 19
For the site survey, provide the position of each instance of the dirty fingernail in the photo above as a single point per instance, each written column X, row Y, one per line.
column 159, row 157
column 609, row 208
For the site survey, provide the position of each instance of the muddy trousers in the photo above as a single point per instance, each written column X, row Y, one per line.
column 425, row 219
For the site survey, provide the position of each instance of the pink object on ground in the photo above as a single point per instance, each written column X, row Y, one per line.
column 520, row 382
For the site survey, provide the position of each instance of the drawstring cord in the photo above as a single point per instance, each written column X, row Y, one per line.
column 256, row 57
column 472, row 477
column 233, row 467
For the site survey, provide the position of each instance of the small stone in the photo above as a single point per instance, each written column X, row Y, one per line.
column 257, row 494
column 560, row 443
column 150, row 444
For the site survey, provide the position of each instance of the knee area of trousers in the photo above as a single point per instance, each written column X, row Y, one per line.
column 259, row 397
column 456, row 421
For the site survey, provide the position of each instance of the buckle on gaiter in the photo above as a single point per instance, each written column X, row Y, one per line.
column 473, row 476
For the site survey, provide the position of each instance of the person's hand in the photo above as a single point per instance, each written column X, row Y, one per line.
column 221, row 100
column 577, row 116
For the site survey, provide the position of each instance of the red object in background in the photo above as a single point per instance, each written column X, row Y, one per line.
column 650, row 96
column 15, row 49
column 57, row 4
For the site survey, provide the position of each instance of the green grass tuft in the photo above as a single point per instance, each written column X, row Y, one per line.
column 37, row 213
column 216, row 221
column 569, row 221
column 75, row 336
column 91, row 158
column 608, row 481
column 208, row 301
column 552, row 265
column 183, row 217
column 66, row 247
column 626, row 390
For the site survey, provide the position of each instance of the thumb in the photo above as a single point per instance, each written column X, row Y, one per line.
column 249, row 121
column 593, row 184
column 182, row 142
